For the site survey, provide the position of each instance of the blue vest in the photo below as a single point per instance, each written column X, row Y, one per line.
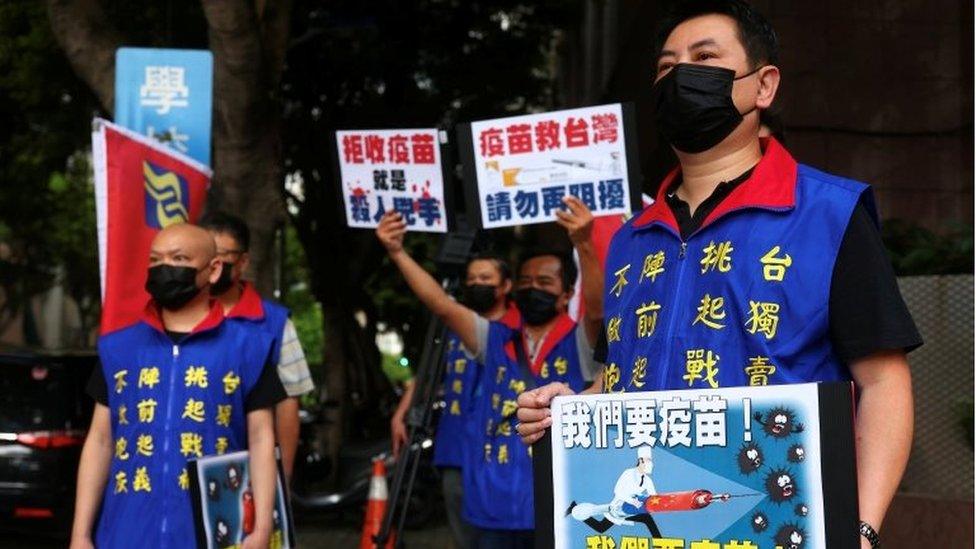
column 744, row 300
column 497, row 468
column 171, row 403
column 459, row 372
column 268, row 316
column 275, row 317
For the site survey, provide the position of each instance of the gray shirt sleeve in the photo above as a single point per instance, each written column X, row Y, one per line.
column 588, row 366
column 481, row 326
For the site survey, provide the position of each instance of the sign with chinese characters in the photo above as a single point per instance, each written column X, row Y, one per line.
column 166, row 95
column 518, row 169
column 399, row 170
column 743, row 467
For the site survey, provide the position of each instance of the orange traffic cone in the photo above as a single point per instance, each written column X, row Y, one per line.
column 376, row 508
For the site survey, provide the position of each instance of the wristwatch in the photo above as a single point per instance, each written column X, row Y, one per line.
column 870, row 534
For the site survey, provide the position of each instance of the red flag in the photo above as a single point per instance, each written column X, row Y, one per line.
column 141, row 187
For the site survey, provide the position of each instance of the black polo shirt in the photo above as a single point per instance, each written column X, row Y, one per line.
column 867, row 312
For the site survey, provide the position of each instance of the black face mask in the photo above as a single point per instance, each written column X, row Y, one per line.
column 537, row 306
column 225, row 281
column 172, row 287
column 480, row 297
column 693, row 106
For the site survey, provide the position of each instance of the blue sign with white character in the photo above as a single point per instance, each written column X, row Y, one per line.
column 166, row 94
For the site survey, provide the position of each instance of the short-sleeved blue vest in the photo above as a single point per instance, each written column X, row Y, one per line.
column 267, row 315
column 497, row 468
column 744, row 299
column 170, row 403
column 459, row 371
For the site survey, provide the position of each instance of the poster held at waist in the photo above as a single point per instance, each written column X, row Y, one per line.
column 756, row 467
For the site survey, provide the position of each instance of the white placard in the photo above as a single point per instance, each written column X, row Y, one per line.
column 399, row 170
column 525, row 165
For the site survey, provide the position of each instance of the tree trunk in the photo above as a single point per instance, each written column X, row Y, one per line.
column 247, row 159
column 89, row 43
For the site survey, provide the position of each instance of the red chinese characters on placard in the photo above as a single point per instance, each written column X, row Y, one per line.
column 604, row 128
column 422, row 146
column 547, row 135
column 417, row 148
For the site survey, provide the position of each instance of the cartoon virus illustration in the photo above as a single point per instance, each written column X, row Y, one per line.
column 750, row 458
column 222, row 534
column 790, row 536
column 759, row 523
column 779, row 422
column 233, row 478
column 213, row 489
column 780, row 485
column 796, row 453
column 801, row 510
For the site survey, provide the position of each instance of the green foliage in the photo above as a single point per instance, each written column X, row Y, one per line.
column 915, row 250
column 46, row 208
column 401, row 64
column 306, row 312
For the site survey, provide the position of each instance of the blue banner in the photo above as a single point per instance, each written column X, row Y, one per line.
column 167, row 95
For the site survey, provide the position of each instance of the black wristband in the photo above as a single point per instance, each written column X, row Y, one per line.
column 870, row 534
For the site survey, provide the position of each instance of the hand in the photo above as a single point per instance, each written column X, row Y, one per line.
column 578, row 221
column 398, row 432
column 390, row 232
column 81, row 543
column 258, row 539
column 533, row 410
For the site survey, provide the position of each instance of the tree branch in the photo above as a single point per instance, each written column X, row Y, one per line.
column 89, row 42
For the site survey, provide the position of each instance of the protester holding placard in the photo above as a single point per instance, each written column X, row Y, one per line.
column 179, row 384
column 487, row 284
column 751, row 269
column 549, row 346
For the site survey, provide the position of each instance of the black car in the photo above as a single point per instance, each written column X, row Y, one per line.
column 44, row 413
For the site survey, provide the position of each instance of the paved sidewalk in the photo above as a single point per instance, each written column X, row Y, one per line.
column 328, row 532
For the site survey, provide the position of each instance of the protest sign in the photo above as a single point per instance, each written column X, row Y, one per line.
column 399, row 170
column 223, row 502
column 167, row 95
column 518, row 169
column 742, row 467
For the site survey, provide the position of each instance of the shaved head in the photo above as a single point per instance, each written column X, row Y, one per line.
column 194, row 242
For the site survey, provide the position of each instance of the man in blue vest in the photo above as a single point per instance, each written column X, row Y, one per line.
column 751, row 269
column 549, row 346
column 242, row 302
column 487, row 284
column 177, row 385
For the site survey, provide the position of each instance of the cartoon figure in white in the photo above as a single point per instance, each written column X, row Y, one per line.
column 633, row 487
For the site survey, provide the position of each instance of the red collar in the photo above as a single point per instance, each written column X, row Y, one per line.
column 512, row 317
column 249, row 305
column 564, row 325
column 152, row 317
column 772, row 185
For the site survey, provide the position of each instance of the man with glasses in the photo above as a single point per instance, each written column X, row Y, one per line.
column 242, row 302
